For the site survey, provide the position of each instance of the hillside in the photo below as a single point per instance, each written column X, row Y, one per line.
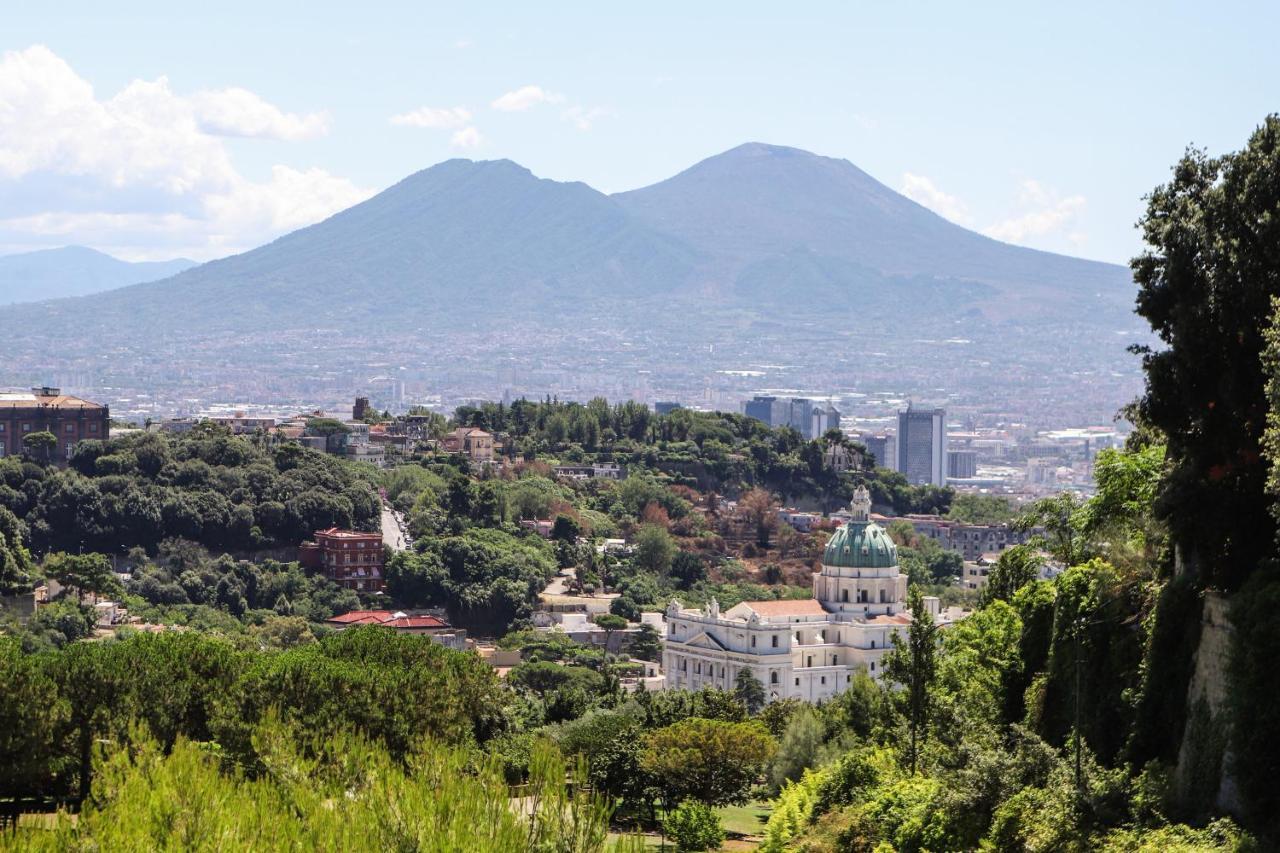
column 766, row 210
column 74, row 271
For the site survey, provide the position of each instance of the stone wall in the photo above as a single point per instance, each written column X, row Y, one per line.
column 1202, row 779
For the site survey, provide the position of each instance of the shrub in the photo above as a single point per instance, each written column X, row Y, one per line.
column 694, row 826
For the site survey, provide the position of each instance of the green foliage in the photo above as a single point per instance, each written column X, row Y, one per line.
column 970, row 508
column 353, row 796
column 1206, row 285
column 487, row 578
column 15, row 561
column 1254, row 713
column 647, row 644
column 748, row 690
column 655, row 549
column 694, row 826
column 708, row 760
column 799, row 747
column 912, row 663
column 1016, row 567
column 85, row 573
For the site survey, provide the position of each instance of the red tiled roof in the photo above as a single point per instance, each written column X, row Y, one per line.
column 791, row 607
column 360, row 616
column 885, row 619
column 389, row 619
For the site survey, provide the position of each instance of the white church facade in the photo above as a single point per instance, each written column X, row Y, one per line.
column 810, row 648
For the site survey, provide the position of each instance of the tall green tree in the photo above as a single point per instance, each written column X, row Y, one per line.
column 913, row 664
column 749, row 690
column 1206, row 283
column 707, row 760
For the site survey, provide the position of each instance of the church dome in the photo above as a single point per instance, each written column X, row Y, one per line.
column 861, row 543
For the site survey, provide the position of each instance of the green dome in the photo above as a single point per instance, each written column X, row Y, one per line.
column 860, row 545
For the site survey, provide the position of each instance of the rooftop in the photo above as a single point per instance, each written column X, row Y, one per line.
column 786, row 607
column 43, row 397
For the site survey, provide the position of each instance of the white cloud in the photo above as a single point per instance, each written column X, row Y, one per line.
column 519, row 100
column 1043, row 213
column 146, row 168
column 583, row 117
column 446, row 118
column 239, row 112
column 922, row 190
column 468, row 137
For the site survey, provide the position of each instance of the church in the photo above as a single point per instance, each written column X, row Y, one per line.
column 810, row 648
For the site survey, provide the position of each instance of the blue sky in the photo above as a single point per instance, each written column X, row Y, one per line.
column 151, row 130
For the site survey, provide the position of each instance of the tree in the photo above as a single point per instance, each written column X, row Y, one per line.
column 687, row 568
column 980, row 509
column 912, row 664
column 655, row 549
column 799, row 747
column 647, row 644
column 694, row 826
column 1017, row 567
column 85, row 573
column 610, row 622
column 40, row 445
column 761, row 512
column 1205, row 284
column 566, row 529
column 15, row 562
column 749, row 691
column 707, row 760
column 1062, row 519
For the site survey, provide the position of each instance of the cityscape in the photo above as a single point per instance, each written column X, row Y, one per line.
column 824, row 428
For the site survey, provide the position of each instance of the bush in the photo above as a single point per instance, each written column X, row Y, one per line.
column 694, row 826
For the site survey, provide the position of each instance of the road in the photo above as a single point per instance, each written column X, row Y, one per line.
column 394, row 533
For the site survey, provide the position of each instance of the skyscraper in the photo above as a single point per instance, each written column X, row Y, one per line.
column 922, row 440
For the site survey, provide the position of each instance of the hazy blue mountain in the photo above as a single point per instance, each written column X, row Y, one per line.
column 770, row 210
column 454, row 239
column 468, row 244
column 74, row 271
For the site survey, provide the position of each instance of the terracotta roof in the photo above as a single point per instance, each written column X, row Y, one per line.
column 25, row 400
column 388, row 619
column 885, row 619
column 338, row 533
column 791, row 607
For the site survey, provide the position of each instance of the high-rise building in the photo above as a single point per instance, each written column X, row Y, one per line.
column 882, row 447
column 962, row 464
column 760, row 408
column 922, row 439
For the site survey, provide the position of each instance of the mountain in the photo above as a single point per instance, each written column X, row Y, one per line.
column 475, row 276
column 74, row 271
column 770, row 210
column 458, row 237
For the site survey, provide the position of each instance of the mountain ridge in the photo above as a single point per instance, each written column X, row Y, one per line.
column 70, row 271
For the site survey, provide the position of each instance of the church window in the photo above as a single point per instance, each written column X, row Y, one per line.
column 844, row 595
column 775, row 640
column 824, row 679
column 753, row 641
column 808, row 661
column 773, row 678
column 873, row 644
column 797, row 682
column 873, row 666
column 834, row 660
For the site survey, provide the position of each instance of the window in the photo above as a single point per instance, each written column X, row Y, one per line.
column 882, row 598
column 93, row 427
column 69, row 429
column 862, row 596
column 753, row 641
column 873, row 666
column 775, row 640
column 26, row 427
column 797, row 682
column 808, row 661
column 844, row 595
column 873, row 644
column 697, row 668
column 773, row 678
column 824, row 679
column 834, row 660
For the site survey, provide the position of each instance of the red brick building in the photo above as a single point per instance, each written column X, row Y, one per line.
column 70, row 419
column 349, row 558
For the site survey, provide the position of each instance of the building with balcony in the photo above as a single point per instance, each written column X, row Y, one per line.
column 808, row 649
column 350, row 558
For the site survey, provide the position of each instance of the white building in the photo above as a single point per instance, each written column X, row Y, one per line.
column 809, row 648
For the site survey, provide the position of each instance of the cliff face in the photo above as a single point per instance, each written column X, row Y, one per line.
column 1202, row 778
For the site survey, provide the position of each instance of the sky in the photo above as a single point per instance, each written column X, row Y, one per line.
column 153, row 131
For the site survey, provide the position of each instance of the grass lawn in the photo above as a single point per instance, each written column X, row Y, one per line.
column 745, row 820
